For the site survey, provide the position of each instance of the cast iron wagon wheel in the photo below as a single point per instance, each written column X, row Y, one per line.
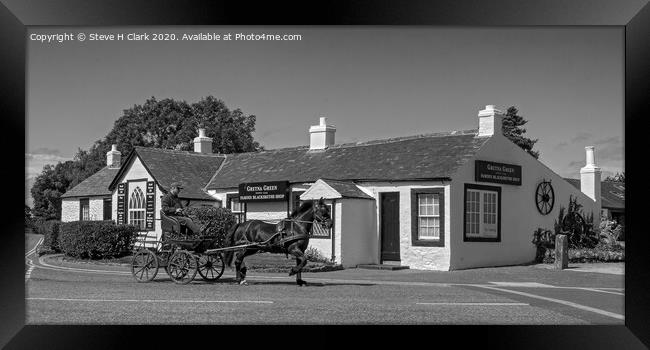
column 182, row 267
column 544, row 197
column 211, row 266
column 144, row 265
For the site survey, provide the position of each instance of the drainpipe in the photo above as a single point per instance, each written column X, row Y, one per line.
column 333, row 229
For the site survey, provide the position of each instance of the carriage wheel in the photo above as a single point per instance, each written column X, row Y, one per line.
column 211, row 266
column 144, row 265
column 182, row 267
column 163, row 259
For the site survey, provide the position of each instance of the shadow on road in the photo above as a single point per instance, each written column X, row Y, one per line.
column 231, row 281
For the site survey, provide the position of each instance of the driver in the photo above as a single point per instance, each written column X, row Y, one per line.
column 172, row 206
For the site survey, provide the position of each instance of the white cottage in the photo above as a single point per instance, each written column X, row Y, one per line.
column 441, row 201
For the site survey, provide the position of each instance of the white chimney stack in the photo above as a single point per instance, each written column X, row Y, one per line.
column 202, row 143
column 321, row 136
column 490, row 121
column 113, row 157
column 590, row 182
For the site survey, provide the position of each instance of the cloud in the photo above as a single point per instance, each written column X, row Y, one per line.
column 581, row 137
column 560, row 146
column 34, row 163
column 608, row 141
column 45, row 150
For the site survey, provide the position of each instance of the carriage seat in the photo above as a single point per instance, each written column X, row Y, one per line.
column 169, row 224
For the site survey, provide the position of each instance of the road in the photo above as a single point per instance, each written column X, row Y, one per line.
column 60, row 292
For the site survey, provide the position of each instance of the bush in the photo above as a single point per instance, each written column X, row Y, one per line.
column 50, row 230
column 315, row 255
column 610, row 232
column 601, row 253
column 216, row 221
column 578, row 227
column 544, row 240
column 96, row 239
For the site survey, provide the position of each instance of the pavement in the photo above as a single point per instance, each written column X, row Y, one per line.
column 591, row 273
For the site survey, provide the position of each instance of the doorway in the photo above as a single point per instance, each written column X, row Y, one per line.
column 389, row 226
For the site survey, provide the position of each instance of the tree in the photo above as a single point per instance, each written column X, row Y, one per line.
column 619, row 177
column 48, row 188
column 167, row 124
column 28, row 216
column 513, row 130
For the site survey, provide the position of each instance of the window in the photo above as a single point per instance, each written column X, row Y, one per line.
column 84, row 209
column 317, row 229
column 295, row 199
column 482, row 213
column 108, row 209
column 236, row 207
column 136, row 208
column 428, row 217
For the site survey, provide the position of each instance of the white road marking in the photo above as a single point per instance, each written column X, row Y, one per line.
column 477, row 304
column 559, row 301
column 156, row 301
column 30, row 263
column 541, row 285
column 63, row 268
column 522, row 284
column 597, row 290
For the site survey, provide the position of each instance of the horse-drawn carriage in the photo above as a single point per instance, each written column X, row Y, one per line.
column 183, row 257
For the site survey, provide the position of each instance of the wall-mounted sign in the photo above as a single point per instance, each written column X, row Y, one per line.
column 151, row 205
column 121, row 203
column 264, row 191
column 500, row 173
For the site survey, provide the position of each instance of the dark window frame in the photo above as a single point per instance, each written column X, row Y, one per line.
column 415, row 209
column 108, row 200
column 81, row 208
column 330, row 232
column 240, row 215
column 497, row 189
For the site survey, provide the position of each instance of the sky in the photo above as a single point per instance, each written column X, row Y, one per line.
column 370, row 82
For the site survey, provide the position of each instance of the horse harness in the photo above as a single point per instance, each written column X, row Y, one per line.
column 282, row 232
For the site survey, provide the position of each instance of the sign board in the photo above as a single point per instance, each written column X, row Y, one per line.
column 121, row 203
column 271, row 191
column 500, row 173
column 151, row 205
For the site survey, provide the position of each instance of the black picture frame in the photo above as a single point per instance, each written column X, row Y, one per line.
column 634, row 16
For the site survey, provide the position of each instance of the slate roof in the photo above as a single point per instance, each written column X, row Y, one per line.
column 422, row 157
column 95, row 185
column 193, row 170
column 347, row 189
column 612, row 193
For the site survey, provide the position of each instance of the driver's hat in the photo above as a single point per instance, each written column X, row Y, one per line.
column 176, row 184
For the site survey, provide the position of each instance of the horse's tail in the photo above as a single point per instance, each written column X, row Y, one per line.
column 229, row 242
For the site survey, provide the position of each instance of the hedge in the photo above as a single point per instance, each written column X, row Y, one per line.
column 96, row 239
column 216, row 221
column 50, row 230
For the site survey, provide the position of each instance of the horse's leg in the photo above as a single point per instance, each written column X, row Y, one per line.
column 241, row 265
column 301, row 261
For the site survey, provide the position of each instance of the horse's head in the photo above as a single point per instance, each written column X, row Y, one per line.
column 322, row 213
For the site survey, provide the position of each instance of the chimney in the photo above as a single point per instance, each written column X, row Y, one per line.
column 590, row 182
column 490, row 121
column 113, row 157
column 202, row 143
column 321, row 136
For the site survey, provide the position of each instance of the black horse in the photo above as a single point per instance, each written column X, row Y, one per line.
column 290, row 236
